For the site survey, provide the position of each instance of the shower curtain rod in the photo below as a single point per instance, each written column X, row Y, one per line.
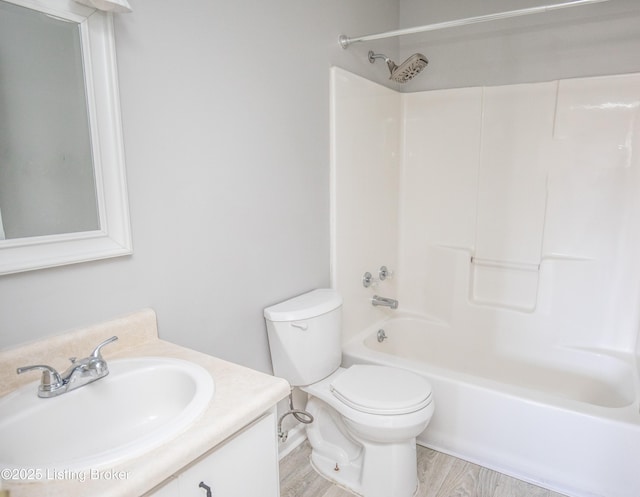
column 345, row 41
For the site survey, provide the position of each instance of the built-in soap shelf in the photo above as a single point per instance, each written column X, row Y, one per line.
column 508, row 284
column 505, row 284
column 511, row 265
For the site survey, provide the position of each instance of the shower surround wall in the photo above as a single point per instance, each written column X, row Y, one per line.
column 537, row 212
column 364, row 191
column 508, row 212
column 510, row 217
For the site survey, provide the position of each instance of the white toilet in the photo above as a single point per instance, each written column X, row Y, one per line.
column 366, row 418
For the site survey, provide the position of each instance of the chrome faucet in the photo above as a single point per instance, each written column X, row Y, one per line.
column 376, row 300
column 80, row 373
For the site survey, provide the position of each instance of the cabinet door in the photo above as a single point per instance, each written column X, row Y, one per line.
column 244, row 466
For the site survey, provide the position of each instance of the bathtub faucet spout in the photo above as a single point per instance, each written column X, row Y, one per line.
column 385, row 302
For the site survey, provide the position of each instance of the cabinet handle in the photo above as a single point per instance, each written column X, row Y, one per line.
column 206, row 487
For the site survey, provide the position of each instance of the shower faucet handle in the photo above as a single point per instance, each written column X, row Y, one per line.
column 367, row 280
column 385, row 273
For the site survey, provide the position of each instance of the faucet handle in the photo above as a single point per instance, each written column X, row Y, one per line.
column 96, row 353
column 51, row 379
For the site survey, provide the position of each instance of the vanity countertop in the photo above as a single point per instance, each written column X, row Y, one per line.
column 241, row 396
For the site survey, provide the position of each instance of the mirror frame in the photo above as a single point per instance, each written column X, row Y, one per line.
column 105, row 125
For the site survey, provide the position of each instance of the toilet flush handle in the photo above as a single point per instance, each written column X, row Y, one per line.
column 302, row 326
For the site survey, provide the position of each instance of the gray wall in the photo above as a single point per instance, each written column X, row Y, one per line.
column 226, row 123
column 226, row 126
column 590, row 40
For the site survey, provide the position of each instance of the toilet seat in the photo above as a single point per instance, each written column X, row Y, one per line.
column 381, row 390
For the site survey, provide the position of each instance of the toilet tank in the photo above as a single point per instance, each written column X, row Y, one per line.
column 304, row 336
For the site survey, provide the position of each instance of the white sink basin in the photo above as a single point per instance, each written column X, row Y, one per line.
column 141, row 404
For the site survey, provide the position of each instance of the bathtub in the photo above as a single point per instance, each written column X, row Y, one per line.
column 567, row 419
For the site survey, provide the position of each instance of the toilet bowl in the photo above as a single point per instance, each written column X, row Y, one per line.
column 364, row 438
column 366, row 417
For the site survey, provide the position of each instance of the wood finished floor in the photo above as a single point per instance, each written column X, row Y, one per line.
column 440, row 475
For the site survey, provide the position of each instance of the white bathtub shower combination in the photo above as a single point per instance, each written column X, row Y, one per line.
column 510, row 217
column 568, row 420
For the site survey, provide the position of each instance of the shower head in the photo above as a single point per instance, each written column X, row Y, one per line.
column 406, row 71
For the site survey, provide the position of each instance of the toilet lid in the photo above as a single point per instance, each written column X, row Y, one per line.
column 381, row 389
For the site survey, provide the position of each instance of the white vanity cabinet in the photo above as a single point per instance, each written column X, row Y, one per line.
column 246, row 465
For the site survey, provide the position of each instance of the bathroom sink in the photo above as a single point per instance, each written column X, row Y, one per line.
column 141, row 404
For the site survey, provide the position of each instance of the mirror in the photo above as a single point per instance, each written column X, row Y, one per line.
column 63, row 192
